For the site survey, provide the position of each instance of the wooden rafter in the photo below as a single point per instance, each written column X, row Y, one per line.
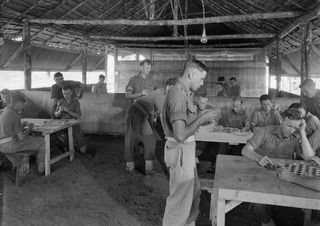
column 74, row 62
column 285, row 57
column 219, row 19
column 181, row 38
column 147, row 45
column 97, row 64
column 13, row 56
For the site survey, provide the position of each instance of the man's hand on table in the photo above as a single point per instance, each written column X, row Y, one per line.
column 286, row 175
column 315, row 159
column 264, row 161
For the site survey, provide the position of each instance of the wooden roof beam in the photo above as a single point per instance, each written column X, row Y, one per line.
column 182, row 38
column 218, row 19
column 304, row 18
column 147, row 45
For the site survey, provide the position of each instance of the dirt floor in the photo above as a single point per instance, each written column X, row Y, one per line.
column 98, row 192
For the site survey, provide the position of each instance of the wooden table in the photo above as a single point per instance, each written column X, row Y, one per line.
column 205, row 134
column 49, row 126
column 238, row 180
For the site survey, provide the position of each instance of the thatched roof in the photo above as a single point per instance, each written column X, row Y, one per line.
column 246, row 23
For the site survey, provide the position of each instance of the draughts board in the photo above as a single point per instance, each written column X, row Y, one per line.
column 303, row 170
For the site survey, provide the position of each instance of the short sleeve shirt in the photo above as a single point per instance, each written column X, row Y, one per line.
column 314, row 141
column 261, row 118
column 10, row 123
column 99, row 88
column 312, row 104
column 56, row 90
column 313, row 124
column 268, row 141
column 74, row 106
column 230, row 118
column 137, row 84
column 153, row 102
column 178, row 105
column 234, row 91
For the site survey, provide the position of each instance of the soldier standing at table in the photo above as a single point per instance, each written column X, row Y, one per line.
column 139, row 86
column 180, row 122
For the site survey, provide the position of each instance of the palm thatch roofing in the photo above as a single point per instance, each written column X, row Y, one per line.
column 68, row 24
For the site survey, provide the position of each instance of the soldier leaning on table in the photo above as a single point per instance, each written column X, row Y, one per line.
column 14, row 135
column 279, row 141
column 180, row 122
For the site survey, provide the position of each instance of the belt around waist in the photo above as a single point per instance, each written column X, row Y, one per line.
column 188, row 140
column 5, row 140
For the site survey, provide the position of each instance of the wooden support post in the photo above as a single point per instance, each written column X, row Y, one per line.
column 27, row 56
column 106, row 64
column 175, row 10
column 278, row 67
column 84, row 58
column 305, row 50
column 116, row 72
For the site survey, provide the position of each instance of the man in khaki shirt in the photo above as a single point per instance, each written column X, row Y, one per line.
column 180, row 122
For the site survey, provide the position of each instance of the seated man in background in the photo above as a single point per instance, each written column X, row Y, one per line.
column 312, row 122
column 234, row 89
column 310, row 97
column 69, row 108
column 145, row 112
column 14, row 135
column 101, row 86
column 279, row 141
column 265, row 115
column 234, row 117
column 56, row 89
column 221, row 90
column 5, row 98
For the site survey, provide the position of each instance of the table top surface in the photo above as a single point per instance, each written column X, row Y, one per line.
column 241, row 174
column 50, row 125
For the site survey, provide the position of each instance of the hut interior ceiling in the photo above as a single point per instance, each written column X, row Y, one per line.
column 67, row 24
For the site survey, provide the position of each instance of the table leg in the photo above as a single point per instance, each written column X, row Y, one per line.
column 213, row 207
column 221, row 204
column 47, row 154
column 71, row 147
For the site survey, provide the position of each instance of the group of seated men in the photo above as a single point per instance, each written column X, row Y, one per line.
column 15, row 136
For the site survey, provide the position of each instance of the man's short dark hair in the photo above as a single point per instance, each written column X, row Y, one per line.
column 221, row 79
column 194, row 63
column 233, row 78
column 171, row 81
column 102, row 76
column 237, row 98
column 292, row 114
column 145, row 61
column 297, row 106
column 58, row 75
column 264, row 97
column 307, row 82
column 17, row 98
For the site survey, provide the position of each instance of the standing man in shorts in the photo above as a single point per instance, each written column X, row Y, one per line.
column 180, row 122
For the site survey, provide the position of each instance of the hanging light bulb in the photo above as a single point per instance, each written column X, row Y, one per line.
column 204, row 38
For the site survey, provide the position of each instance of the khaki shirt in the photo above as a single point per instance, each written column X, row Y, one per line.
column 137, row 84
column 230, row 118
column 312, row 104
column 10, row 123
column 74, row 106
column 178, row 105
column 153, row 102
column 268, row 141
column 261, row 118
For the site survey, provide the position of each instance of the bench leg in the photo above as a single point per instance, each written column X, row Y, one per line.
column 221, row 204
column 71, row 147
column 47, row 154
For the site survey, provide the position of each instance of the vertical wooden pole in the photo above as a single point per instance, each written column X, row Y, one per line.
column 278, row 67
column 84, row 62
column 27, row 56
column 116, row 72
column 106, row 64
column 175, row 16
column 305, row 50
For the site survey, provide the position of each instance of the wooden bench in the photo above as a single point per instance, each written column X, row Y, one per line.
column 20, row 163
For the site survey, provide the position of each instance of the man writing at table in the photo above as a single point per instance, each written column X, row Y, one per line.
column 14, row 136
column 69, row 108
column 275, row 142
